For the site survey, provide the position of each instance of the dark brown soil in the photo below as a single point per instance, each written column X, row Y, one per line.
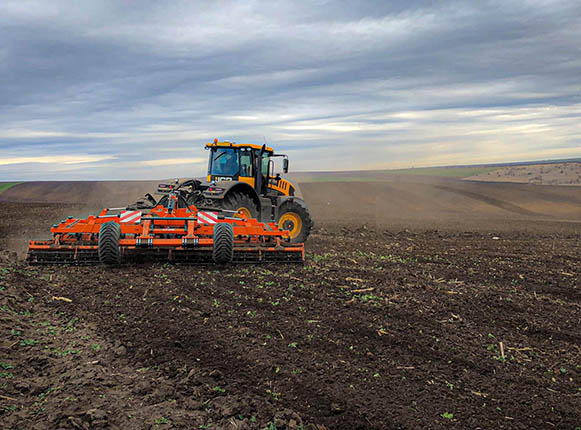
column 94, row 193
column 379, row 329
column 446, row 204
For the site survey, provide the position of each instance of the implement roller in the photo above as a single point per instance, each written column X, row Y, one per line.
column 165, row 233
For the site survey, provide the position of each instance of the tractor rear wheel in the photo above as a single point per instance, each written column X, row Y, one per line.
column 223, row 248
column 109, row 250
column 241, row 203
column 294, row 217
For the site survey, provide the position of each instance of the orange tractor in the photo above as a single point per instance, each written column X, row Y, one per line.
column 193, row 222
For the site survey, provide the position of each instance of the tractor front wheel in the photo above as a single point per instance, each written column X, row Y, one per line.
column 294, row 217
column 109, row 250
column 242, row 204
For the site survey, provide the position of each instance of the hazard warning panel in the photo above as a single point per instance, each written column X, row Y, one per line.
column 130, row 217
column 208, row 217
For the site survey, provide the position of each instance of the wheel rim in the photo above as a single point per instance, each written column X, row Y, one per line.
column 292, row 222
column 243, row 212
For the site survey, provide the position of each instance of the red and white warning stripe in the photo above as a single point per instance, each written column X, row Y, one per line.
column 130, row 217
column 208, row 217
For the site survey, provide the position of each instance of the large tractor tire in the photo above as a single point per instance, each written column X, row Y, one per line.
column 294, row 217
column 241, row 203
column 109, row 236
column 223, row 249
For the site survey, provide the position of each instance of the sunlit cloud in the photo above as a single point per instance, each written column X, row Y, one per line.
column 174, row 161
column 56, row 159
column 30, row 134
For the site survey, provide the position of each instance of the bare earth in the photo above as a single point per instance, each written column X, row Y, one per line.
column 539, row 174
column 424, row 303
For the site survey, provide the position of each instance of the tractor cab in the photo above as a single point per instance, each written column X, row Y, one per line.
column 248, row 163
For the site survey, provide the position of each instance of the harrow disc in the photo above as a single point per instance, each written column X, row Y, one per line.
column 81, row 257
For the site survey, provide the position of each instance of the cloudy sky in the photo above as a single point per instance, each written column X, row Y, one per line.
column 133, row 89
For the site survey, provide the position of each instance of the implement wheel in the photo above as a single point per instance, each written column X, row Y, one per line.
column 223, row 250
column 109, row 251
column 242, row 203
column 294, row 217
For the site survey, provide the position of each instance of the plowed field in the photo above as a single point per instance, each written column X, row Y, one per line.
column 469, row 325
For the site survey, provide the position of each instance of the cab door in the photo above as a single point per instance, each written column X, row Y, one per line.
column 261, row 163
column 247, row 167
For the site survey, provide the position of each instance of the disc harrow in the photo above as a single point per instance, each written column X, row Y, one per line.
column 174, row 234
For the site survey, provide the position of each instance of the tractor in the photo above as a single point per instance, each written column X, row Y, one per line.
column 241, row 180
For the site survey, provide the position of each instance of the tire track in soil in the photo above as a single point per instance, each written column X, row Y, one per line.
column 490, row 200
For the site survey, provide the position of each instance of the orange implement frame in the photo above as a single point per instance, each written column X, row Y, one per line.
column 163, row 234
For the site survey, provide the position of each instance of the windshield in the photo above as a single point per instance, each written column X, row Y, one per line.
column 224, row 162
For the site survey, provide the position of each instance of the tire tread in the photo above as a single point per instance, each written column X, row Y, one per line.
column 223, row 248
column 109, row 235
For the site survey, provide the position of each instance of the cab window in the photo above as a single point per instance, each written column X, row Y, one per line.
column 225, row 162
column 246, row 163
column 265, row 160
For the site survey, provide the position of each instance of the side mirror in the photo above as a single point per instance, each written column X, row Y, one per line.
column 285, row 165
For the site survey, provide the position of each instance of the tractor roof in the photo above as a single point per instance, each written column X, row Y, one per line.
column 216, row 144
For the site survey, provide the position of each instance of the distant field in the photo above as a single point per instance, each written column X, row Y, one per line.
column 336, row 177
column 5, row 185
column 453, row 172
column 540, row 174
column 388, row 175
column 552, row 172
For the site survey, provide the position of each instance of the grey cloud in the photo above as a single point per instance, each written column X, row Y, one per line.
column 382, row 84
